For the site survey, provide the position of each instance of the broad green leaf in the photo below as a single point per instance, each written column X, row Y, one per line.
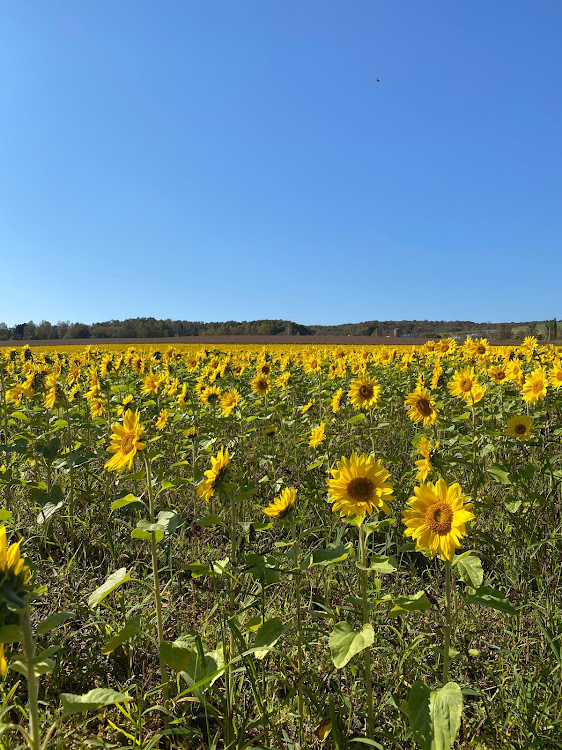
column 435, row 715
column 91, row 701
column 499, row 473
column 357, row 418
column 198, row 569
column 469, row 569
column 5, row 515
column 211, row 520
column 10, row 634
column 373, row 526
column 380, row 564
column 268, row 635
column 131, row 629
column 123, row 502
column 167, row 523
column 403, row 604
column 48, row 510
column 345, row 643
column 489, row 597
column 253, row 624
column 325, row 557
column 315, row 464
column 53, row 621
column 115, row 579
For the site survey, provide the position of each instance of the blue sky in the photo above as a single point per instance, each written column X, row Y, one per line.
column 237, row 160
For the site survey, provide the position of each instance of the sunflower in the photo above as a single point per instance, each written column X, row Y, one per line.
column 216, row 475
column 555, row 376
column 520, row 427
column 162, row 419
column 152, row 383
column 436, row 518
column 122, row 408
column 14, row 577
column 422, row 407
column 229, row 402
column 261, row 385
column 318, row 435
column 466, row 386
column 364, row 392
column 336, row 400
column 358, row 486
column 425, row 448
column 498, row 375
column 125, row 442
column 97, row 408
column 307, row 406
column 534, row 387
column 281, row 506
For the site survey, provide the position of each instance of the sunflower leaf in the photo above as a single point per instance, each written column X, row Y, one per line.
column 345, row 643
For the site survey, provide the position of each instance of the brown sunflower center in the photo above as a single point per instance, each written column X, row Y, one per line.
column 520, row 428
column 439, row 518
column 366, row 391
column 465, row 385
column 500, row 375
column 265, row 369
column 481, row 349
column 360, row 488
column 262, row 384
column 127, row 443
column 424, row 407
column 537, row 386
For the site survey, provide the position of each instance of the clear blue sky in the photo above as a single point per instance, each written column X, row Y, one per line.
column 236, row 159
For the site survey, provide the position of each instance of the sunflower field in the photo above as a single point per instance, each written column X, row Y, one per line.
column 281, row 547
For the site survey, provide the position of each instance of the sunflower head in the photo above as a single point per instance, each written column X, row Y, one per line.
column 436, row 518
column 421, row 406
column 520, row 427
column 125, row 442
column 216, row 478
column 358, row 486
column 364, row 392
column 281, row 507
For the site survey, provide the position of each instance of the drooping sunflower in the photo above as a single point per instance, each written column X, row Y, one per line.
column 436, row 518
column 215, row 476
column 14, row 577
column 535, row 385
column 318, row 435
column 498, row 375
column 281, row 506
column 307, row 406
column 122, row 408
column 422, row 407
column 336, row 400
column 364, row 392
column 358, row 486
column 162, row 419
column 555, row 375
column 426, row 448
column 261, row 385
column 125, row 442
column 520, row 427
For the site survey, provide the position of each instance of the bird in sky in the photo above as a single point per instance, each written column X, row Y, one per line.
column 377, row 80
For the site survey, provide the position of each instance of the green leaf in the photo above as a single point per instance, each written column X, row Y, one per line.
column 435, row 715
column 357, row 418
column 115, row 579
column 499, row 473
column 167, row 523
column 91, row 701
column 48, row 510
column 10, row 634
column 325, row 557
column 315, row 464
column 5, row 515
column 268, row 635
column 52, row 622
column 489, row 597
column 370, row 528
column 131, row 629
column 380, row 564
column 211, row 520
column 198, row 569
column 403, row 604
column 345, row 643
column 123, row 502
column 469, row 569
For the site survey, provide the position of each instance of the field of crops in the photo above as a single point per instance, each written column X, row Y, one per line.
column 281, row 547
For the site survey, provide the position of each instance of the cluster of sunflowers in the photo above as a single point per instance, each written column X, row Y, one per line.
column 315, row 423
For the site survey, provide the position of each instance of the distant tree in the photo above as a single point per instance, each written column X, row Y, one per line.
column 78, row 331
column 532, row 329
column 504, row 332
column 4, row 332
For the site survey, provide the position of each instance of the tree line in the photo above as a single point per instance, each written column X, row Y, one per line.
column 143, row 328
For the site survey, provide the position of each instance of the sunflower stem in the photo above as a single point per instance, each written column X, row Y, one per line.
column 447, row 640
column 32, row 690
column 296, row 549
column 157, row 597
column 365, row 618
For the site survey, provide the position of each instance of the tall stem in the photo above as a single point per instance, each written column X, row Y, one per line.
column 157, row 597
column 296, row 548
column 447, row 641
column 32, row 694
column 365, row 618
